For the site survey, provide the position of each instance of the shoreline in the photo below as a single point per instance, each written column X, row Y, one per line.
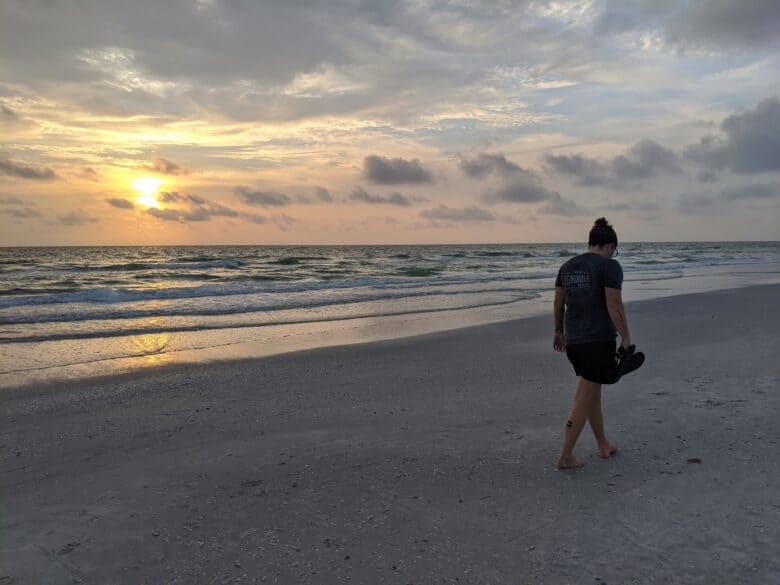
column 133, row 353
column 419, row 459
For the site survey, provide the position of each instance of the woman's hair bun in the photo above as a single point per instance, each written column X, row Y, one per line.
column 602, row 233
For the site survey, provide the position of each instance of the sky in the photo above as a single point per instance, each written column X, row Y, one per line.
column 387, row 122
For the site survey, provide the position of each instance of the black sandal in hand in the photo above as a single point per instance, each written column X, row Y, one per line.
column 628, row 360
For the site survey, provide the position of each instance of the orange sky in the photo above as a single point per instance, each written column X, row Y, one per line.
column 204, row 123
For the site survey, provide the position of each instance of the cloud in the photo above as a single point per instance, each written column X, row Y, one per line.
column 360, row 194
column 483, row 164
column 724, row 23
column 323, row 194
column 11, row 200
column 524, row 188
column 557, row 205
column 715, row 24
column 13, row 169
column 318, row 195
column 751, row 191
column 23, row 213
column 394, row 171
column 8, row 117
column 7, row 114
column 261, row 198
column 120, row 203
column 75, row 218
column 282, row 219
column 587, row 171
column 706, row 177
column 90, row 174
column 194, row 208
column 254, row 218
column 197, row 208
column 10, row 121
column 643, row 160
column 169, row 214
column 751, row 141
column 169, row 197
column 465, row 214
column 727, row 198
column 166, row 167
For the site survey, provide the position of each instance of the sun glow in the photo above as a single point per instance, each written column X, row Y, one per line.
column 147, row 188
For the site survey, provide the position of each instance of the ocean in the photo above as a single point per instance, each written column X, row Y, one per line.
column 102, row 293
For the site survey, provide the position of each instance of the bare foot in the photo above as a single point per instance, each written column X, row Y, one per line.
column 607, row 450
column 569, row 462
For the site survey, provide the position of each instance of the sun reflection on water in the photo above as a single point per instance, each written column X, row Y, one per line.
column 152, row 347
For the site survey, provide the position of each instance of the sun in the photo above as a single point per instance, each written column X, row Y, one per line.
column 147, row 190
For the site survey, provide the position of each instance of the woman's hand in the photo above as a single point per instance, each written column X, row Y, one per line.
column 559, row 342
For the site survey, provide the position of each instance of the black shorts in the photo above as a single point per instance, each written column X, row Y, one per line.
column 594, row 361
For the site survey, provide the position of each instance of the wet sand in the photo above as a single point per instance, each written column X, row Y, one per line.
column 427, row 459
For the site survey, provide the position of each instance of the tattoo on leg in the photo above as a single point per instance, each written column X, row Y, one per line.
column 569, row 424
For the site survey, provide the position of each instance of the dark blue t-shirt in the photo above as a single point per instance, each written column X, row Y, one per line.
column 584, row 278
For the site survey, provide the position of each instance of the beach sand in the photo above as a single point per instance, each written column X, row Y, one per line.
column 427, row 459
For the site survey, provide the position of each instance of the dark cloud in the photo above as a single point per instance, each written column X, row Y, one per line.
column 707, row 23
column 645, row 159
column 706, row 177
column 465, row 214
column 254, row 218
column 8, row 116
column 11, row 200
column 166, row 167
column 192, row 214
column 169, row 197
column 165, row 214
column 323, row 194
column 557, row 205
column 522, row 189
column 360, row 194
column 318, row 195
column 261, row 198
column 120, row 203
column 197, row 208
column 751, row 143
column 727, row 198
column 206, row 212
column 23, row 213
column 90, row 174
column 752, row 191
column 75, row 218
column 483, row 164
column 725, row 23
column 282, row 219
column 194, row 208
column 13, row 169
column 394, row 171
column 587, row 171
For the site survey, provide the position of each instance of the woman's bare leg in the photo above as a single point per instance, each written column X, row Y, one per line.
column 596, row 420
column 580, row 408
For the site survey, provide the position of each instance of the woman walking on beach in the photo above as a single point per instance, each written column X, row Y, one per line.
column 589, row 313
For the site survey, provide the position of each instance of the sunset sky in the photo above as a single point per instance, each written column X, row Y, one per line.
column 347, row 121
